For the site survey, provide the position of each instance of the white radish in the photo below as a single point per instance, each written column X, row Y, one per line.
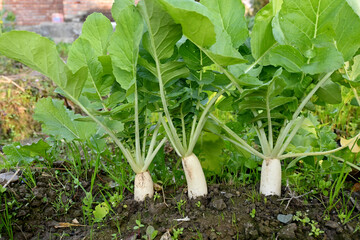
column 195, row 177
column 144, row 186
column 270, row 183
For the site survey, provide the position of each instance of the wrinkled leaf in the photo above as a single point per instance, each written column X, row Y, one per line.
column 61, row 122
column 23, row 154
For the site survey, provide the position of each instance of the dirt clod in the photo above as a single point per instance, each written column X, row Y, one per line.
column 288, row 231
column 218, row 204
column 332, row 224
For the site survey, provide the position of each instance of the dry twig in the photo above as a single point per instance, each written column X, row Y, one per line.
column 9, row 80
column 292, row 195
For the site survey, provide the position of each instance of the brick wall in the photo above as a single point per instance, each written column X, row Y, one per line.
column 79, row 9
column 34, row 12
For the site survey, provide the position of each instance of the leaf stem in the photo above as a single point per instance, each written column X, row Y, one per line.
column 202, row 120
column 175, row 138
column 144, row 140
column 153, row 138
column 291, row 155
column 311, row 93
column 183, row 126
column 151, row 157
column 290, row 137
column 346, row 162
column 180, row 151
column 137, row 127
column 262, row 136
column 124, row 150
column 270, row 141
column 239, row 141
column 283, row 134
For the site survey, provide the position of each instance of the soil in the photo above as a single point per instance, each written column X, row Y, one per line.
column 227, row 212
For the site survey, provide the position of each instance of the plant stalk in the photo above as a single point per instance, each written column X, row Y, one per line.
column 292, row 155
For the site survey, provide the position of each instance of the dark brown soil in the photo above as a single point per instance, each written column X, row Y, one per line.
column 226, row 213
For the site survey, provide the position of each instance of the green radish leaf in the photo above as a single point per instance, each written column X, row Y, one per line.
column 124, row 44
column 118, row 6
column 239, row 69
column 251, row 163
column 38, row 148
column 75, row 82
column 169, row 70
column 173, row 70
column 274, row 115
column 35, row 51
column 354, row 77
column 307, row 26
column 114, row 125
column 330, row 93
column 193, row 57
column 279, row 101
column 273, row 88
column 347, row 29
column 203, row 77
column 23, row 154
column 355, row 5
column 326, row 59
column 262, row 38
column 82, row 55
column 209, row 149
column 16, row 155
column 40, row 54
column 288, row 57
column 194, row 19
column 226, row 104
column 302, row 22
column 201, row 26
column 107, row 79
column 97, row 29
column 231, row 16
column 293, row 163
column 61, row 122
column 249, row 81
column 163, row 30
column 251, row 104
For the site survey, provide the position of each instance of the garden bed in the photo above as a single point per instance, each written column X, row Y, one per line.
column 48, row 210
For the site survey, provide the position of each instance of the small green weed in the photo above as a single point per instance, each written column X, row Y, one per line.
column 305, row 220
column 177, row 232
column 138, row 224
column 253, row 213
column 179, row 207
column 151, row 233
